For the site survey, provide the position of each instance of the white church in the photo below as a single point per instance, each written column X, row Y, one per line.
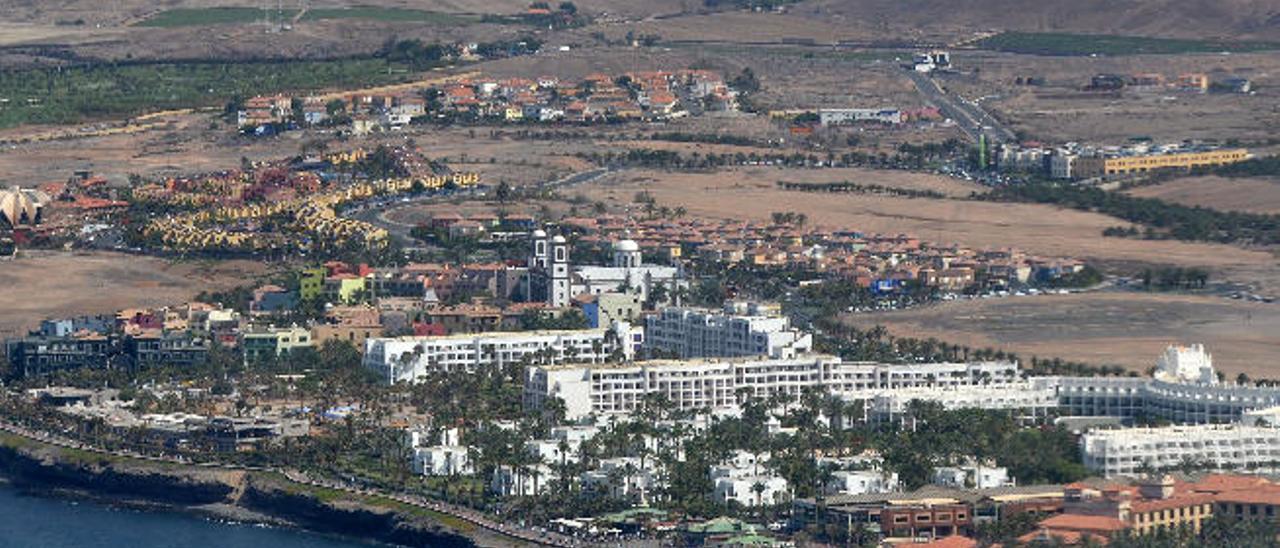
column 551, row 279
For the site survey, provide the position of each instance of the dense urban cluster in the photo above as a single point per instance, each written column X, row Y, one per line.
column 701, row 290
column 597, row 98
column 597, row 388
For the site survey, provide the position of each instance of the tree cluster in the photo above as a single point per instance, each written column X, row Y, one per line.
column 1162, row 219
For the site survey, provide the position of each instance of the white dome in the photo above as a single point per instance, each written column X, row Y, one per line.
column 539, row 233
column 626, row 245
column 558, row 239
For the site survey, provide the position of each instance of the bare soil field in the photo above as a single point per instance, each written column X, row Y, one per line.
column 17, row 33
column 1061, row 111
column 1126, row 329
column 745, row 27
column 187, row 146
column 1253, row 195
column 42, row 284
column 751, row 193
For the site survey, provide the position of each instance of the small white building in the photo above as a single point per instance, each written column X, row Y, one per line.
column 752, row 491
column 861, row 482
column 740, row 464
column 744, row 478
column 443, row 460
column 517, row 481
column 841, row 116
column 972, row 476
column 622, row 477
column 447, row 457
column 552, row 451
column 563, row 446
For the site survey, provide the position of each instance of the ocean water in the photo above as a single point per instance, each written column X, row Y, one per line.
column 38, row 522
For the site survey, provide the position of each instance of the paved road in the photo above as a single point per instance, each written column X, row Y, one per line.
column 969, row 116
column 579, row 178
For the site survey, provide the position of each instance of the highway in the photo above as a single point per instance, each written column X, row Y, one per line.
column 971, row 118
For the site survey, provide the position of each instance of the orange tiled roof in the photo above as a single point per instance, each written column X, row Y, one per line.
column 1177, row 501
column 1265, row 494
column 1067, row 538
column 1080, row 523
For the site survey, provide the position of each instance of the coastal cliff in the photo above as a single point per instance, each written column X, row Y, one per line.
column 235, row 494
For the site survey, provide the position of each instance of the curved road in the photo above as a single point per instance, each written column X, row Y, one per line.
column 375, row 213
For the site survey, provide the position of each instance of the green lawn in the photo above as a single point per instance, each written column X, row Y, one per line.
column 187, row 17
column 1090, row 44
column 71, row 95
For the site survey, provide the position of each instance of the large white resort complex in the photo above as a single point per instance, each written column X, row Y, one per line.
column 1134, row 451
column 742, row 329
column 719, row 384
column 1184, row 389
column 406, row 359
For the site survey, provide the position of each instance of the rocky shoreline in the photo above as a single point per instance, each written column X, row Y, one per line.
column 232, row 495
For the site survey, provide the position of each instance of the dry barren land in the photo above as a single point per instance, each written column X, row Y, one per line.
column 1127, row 329
column 42, row 284
column 1253, row 195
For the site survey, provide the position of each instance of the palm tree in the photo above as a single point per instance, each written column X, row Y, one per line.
column 758, row 488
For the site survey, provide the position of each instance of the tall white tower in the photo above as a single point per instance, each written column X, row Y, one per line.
column 538, row 257
column 558, row 292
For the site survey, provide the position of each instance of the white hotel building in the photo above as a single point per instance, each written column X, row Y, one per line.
column 406, row 359
column 1131, row 451
column 1185, row 389
column 609, row 389
column 1036, row 403
column 740, row 330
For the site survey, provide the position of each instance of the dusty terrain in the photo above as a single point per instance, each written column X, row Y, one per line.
column 1235, row 19
column 1127, row 329
column 1039, row 229
column 1254, row 195
column 43, row 284
column 1061, row 111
